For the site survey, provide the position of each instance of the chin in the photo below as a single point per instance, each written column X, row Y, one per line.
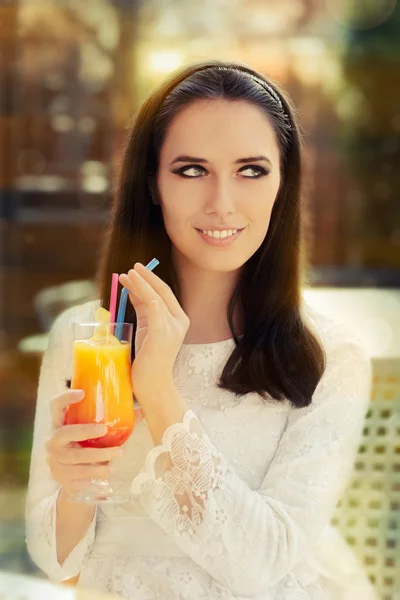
column 212, row 260
column 215, row 264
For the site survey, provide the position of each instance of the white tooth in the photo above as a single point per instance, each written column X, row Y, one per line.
column 220, row 234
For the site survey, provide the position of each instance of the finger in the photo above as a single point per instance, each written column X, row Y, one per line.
column 156, row 315
column 138, row 302
column 75, row 456
column 134, row 299
column 131, row 282
column 76, row 433
column 139, row 306
column 141, row 288
column 59, row 404
column 162, row 289
column 148, row 283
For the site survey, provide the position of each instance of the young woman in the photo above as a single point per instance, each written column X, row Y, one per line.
column 253, row 403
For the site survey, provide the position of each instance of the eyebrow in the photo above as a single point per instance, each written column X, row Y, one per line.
column 194, row 159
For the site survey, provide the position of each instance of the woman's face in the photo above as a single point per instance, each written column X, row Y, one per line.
column 218, row 169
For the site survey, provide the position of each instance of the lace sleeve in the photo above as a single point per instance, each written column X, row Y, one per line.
column 40, row 508
column 249, row 540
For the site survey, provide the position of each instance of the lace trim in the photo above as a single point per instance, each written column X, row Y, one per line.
column 181, row 473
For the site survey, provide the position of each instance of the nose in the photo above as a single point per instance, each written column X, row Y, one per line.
column 221, row 200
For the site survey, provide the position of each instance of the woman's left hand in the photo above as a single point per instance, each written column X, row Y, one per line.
column 161, row 327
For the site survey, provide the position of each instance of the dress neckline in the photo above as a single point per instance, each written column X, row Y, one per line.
column 209, row 344
column 222, row 345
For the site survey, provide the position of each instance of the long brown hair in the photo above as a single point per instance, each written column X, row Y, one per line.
column 278, row 356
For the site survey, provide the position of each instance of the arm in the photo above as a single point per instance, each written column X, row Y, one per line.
column 57, row 548
column 249, row 540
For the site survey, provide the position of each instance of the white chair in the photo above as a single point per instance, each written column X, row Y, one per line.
column 51, row 301
column 373, row 314
column 368, row 514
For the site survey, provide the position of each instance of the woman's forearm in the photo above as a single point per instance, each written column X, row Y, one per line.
column 72, row 523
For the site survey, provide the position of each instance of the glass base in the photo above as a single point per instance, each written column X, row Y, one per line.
column 104, row 492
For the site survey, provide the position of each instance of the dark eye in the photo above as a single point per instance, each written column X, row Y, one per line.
column 189, row 168
column 194, row 171
column 259, row 171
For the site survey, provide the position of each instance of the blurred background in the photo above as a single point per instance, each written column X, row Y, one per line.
column 72, row 73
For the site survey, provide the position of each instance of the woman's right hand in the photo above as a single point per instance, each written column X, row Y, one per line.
column 71, row 465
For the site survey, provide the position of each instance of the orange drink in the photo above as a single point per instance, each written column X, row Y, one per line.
column 102, row 371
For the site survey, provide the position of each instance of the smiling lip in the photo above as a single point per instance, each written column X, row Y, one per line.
column 219, row 242
column 226, row 228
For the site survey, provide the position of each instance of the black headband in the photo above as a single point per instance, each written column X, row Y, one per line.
column 269, row 89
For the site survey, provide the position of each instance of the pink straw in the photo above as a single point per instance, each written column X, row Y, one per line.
column 113, row 298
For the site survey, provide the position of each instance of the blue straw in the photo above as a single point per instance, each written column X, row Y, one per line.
column 121, row 313
column 152, row 264
column 123, row 300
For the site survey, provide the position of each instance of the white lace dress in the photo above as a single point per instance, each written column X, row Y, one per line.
column 237, row 501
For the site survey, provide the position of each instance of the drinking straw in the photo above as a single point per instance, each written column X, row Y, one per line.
column 152, row 264
column 121, row 313
column 113, row 297
column 123, row 300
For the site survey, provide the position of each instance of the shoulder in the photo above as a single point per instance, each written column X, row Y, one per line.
column 333, row 334
column 346, row 384
column 348, row 362
column 348, row 369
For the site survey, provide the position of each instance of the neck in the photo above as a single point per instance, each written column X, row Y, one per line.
column 204, row 296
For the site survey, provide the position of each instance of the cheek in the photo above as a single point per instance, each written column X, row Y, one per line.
column 180, row 206
column 259, row 215
column 260, row 207
column 176, row 218
column 262, row 217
